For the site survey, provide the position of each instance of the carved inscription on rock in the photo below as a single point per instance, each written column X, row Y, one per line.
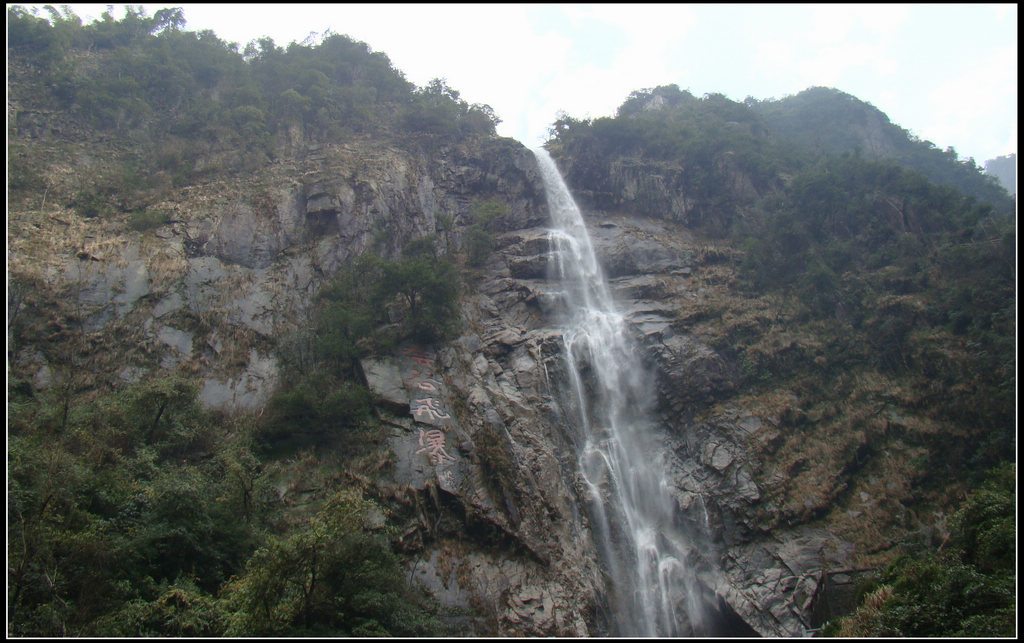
column 427, row 407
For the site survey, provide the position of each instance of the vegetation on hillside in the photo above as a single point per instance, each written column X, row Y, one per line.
column 149, row 76
column 889, row 270
column 683, row 145
column 139, row 514
column 968, row 588
column 699, row 147
column 133, row 511
column 175, row 98
column 906, row 278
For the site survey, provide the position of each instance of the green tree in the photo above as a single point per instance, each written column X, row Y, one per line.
column 480, row 234
column 428, row 287
column 332, row 577
column 181, row 610
column 985, row 528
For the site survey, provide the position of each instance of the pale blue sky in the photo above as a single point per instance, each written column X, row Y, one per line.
column 947, row 73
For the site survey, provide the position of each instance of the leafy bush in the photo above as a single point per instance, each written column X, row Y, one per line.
column 89, row 203
column 984, row 529
column 376, row 302
column 182, row 610
column 316, row 407
column 123, row 187
column 427, row 286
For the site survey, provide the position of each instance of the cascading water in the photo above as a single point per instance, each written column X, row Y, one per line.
column 652, row 593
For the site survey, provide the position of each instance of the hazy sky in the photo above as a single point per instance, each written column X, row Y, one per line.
column 946, row 72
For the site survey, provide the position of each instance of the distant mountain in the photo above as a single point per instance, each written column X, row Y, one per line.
column 830, row 122
column 726, row 155
column 1004, row 168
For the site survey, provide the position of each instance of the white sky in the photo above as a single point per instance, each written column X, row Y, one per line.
column 946, row 72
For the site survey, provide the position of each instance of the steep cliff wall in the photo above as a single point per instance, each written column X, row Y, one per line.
column 498, row 532
column 210, row 293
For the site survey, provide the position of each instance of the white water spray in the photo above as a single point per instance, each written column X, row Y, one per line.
column 653, row 593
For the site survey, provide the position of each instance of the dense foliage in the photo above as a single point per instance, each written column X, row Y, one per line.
column 149, row 73
column 331, row 578
column 892, row 268
column 139, row 514
column 179, row 96
column 966, row 590
column 480, row 234
column 704, row 150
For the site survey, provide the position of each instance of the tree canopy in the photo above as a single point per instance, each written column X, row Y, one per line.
column 151, row 76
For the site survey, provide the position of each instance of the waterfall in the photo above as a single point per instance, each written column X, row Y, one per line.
column 652, row 591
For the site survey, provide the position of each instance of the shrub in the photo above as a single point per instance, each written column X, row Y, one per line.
column 148, row 219
column 315, row 406
column 480, row 235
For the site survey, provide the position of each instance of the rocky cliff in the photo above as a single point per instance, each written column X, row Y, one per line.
column 492, row 518
column 210, row 293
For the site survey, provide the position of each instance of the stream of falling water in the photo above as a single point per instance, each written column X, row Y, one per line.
column 653, row 592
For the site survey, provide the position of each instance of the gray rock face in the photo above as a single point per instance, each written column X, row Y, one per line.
column 633, row 246
column 384, row 377
column 247, row 391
